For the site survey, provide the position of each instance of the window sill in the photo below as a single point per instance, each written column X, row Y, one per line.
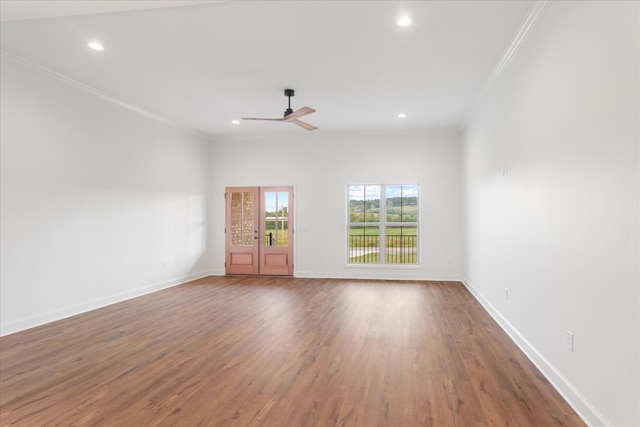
column 384, row 266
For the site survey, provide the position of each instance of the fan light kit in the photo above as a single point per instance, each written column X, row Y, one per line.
column 291, row 116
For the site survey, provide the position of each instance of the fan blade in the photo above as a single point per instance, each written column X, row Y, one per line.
column 299, row 113
column 256, row 118
column 302, row 124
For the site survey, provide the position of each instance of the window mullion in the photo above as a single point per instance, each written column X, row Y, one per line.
column 383, row 222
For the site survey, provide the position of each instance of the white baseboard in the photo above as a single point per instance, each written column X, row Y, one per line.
column 215, row 272
column 378, row 275
column 52, row 316
column 589, row 414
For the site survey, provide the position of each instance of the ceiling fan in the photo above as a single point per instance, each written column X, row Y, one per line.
column 290, row 115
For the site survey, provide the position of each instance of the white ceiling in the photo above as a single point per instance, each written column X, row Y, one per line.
column 201, row 64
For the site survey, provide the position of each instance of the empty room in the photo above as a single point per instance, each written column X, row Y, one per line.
column 319, row 213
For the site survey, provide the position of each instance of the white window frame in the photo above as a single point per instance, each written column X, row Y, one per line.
column 382, row 225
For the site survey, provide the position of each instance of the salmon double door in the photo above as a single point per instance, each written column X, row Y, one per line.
column 259, row 230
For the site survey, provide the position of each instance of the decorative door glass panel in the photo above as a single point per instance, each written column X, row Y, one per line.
column 242, row 226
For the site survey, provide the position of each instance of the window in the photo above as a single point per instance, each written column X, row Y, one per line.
column 382, row 224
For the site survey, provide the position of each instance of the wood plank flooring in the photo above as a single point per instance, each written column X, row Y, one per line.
column 260, row 351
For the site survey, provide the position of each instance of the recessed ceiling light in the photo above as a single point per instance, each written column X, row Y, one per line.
column 402, row 115
column 235, row 122
column 404, row 21
column 95, row 45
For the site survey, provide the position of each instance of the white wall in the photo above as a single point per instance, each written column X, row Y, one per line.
column 94, row 198
column 561, row 231
column 320, row 165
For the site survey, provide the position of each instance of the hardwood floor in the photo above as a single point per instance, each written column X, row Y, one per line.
column 243, row 351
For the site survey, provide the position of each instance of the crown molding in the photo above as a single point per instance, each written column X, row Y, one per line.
column 536, row 12
column 47, row 9
column 5, row 55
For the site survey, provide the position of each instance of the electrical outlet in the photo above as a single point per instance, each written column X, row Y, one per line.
column 506, row 294
column 570, row 341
